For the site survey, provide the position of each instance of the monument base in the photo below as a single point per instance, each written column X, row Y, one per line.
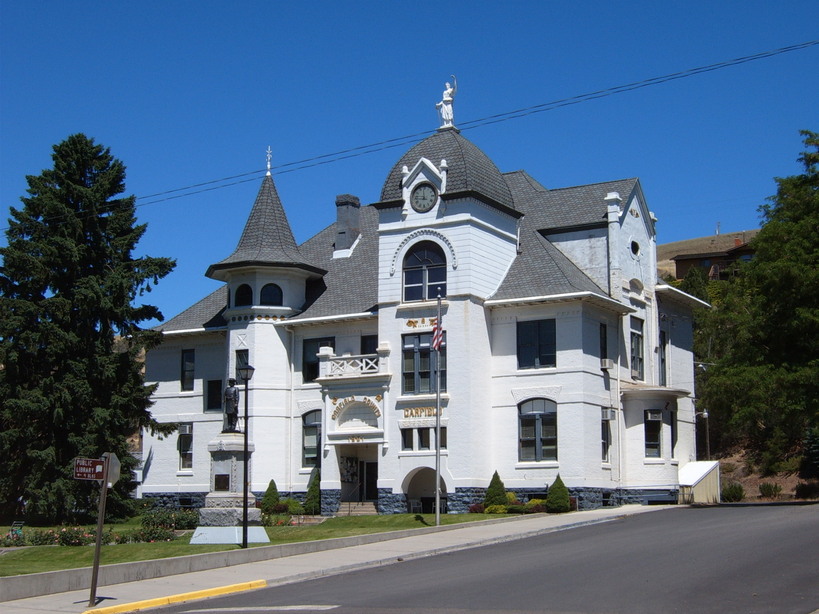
column 228, row 516
column 229, row 535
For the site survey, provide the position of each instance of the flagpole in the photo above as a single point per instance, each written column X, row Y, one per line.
column 438, row 415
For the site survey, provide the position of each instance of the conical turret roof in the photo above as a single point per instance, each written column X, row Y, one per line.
column 267, row 240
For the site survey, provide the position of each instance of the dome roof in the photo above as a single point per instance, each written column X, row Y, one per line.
column 469, row 169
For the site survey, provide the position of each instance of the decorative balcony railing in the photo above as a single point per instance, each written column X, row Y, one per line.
column 363, row 364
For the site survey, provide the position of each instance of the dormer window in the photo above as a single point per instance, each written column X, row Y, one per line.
column 271, row 295
column 244, row 296
column 424, row 272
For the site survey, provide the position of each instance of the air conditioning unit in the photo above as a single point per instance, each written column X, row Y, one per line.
column 654, row 415
column 606, row 364
column 186, row 428
column 608, row 413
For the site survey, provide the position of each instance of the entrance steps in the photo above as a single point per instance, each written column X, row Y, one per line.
column 357, row 508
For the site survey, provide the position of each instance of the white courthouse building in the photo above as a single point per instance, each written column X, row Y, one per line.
column 563, row 353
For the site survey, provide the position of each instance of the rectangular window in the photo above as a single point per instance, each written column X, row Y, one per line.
column 187, row 371
column 418, row 364
column 604, row 342
column 423, row 438
column 369, row 344
column 443, row 438
column 636, row 348
column 309, row 358
column 310, row 446
column 653, row 425
column 536, row 344
column 185, row 446
column 663, row 357
column 213, row 398
column 406, row 439
column 605, row 439
column 241, row 361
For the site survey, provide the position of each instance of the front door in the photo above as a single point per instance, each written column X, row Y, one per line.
column 368, row 481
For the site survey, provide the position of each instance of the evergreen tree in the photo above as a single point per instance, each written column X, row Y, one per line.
column 496, row 492
column 70, row 341
column 557, row 499
column 312, row 501
column 270, row 498
column 764, row 385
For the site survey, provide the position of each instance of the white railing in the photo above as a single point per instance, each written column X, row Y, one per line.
column 353, row 365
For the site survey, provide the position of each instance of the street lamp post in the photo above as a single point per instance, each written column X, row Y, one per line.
column 245, row 372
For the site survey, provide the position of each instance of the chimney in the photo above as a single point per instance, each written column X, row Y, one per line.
column 347, row 220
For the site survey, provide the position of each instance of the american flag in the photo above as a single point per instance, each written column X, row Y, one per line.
column 437, row 335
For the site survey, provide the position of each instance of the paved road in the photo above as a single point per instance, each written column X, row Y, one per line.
column 726, row 559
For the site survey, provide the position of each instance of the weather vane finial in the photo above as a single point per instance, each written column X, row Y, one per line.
column 269, row 157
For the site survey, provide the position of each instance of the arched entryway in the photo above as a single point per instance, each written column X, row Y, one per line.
column 421, row 492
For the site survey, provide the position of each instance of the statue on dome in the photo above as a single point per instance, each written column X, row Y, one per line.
column 445, row 106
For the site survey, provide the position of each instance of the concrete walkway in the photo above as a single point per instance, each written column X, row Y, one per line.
column 303, row 562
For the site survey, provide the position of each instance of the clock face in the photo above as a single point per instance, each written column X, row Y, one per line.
column 424, row 197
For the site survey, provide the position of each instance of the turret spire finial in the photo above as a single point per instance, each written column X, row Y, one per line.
column 269, row 157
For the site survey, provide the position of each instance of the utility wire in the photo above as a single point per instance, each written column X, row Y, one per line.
column 362, row 150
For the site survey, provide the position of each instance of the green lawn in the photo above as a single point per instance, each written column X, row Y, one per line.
column 35, row 559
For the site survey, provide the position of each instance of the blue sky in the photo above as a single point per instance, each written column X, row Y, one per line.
column 191, row 92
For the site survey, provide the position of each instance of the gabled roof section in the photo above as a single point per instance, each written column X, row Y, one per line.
column 350, row 285
column 565, row 208
column 469, row 170
column 203, row 315
column 267, row 239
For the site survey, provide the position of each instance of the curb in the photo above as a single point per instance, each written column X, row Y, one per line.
column 160, row 601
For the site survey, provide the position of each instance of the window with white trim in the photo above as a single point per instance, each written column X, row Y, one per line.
column 424, row 272
column 418, row 364
column 537, row 419
column 187, row 369
column 653, row 428
column 537, row 344
column 311, row 439
column 184, row 444
column 637, row 352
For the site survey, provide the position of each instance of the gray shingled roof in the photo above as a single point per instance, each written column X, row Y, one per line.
column 267, row 239
column 470, row 170
column 350, row 285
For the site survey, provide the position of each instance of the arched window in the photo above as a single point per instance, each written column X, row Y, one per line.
column 271, row 295
column 311, row 439
column 244, row 296
column 538, row 430
column 424, row 272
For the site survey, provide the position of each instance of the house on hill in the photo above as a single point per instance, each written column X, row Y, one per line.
column 561, row 352
column 717, row 254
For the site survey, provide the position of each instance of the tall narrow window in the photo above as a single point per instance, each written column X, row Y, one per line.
column 406, row 439
column 605, row 440
column 271, row 295
column 241, row 361
column 663, row 358
column 309, row 359
column 311, row 442
column 672, row 419
column 653, row 426
column 538, row 430
column 188, row 368
column 369, row 344
column 418, row 366
column 244, row 296
column 213, row 398
column 423, row 438
column 637, row 348
column 537, row 346
column 185, row 446
column 424, row 272
column 604, row 341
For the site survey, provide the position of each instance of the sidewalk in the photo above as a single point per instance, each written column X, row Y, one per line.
column 306, row 562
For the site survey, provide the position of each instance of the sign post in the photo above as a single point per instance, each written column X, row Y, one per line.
column 106, row 471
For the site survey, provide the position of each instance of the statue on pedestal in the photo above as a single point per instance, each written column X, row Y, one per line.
column 231, row 406
column 444, row 107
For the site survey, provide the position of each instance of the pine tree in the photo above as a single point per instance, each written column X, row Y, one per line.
column 496, row 492
column 70, row 340
column 270, row 498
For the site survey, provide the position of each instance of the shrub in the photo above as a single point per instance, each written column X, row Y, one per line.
column 732, row 493
column 557, row 499
column 152, row 534
column 312, row 502
column 270, row 498
column 41, row 537
column 12, row 539
column 75, row 536
column 535, row 506
column 516, row 508
column 476, row 508
column 495, row 493
column 805, row 490
column 495, row 509
column 170, row 518
column 293, row 507
column 770, row 490
column 275, row 520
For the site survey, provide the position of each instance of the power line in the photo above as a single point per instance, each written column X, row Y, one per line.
column 362, row 150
